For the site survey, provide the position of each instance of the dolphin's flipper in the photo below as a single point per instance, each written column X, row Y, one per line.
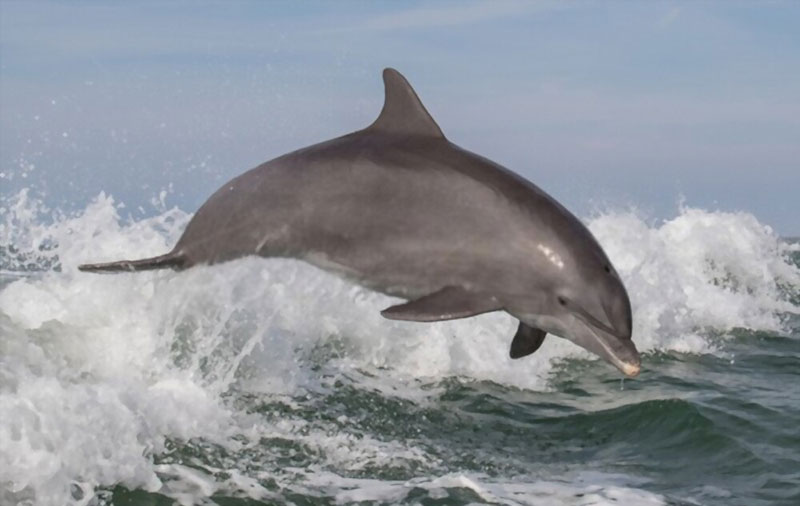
column 526, row 341
column 448, row 303
column 170, row 260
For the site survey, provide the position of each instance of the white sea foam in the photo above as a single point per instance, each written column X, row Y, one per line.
column 578, row 489
column 697, row 272
column 98, row 372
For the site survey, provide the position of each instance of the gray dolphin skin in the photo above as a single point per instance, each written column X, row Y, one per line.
column 401, row 210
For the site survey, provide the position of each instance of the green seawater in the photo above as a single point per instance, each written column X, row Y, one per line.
column 720, row 429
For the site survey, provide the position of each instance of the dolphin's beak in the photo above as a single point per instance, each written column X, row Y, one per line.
column 621, row 353
column 631, row 369
column 618, row 351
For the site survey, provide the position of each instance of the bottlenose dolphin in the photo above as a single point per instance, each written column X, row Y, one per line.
column 399, row 209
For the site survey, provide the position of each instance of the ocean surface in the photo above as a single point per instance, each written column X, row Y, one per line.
column 271, row 382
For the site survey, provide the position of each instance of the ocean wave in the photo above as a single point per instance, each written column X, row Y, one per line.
column 99, row 373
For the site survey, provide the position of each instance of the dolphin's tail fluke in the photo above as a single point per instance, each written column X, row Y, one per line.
column 171, row 260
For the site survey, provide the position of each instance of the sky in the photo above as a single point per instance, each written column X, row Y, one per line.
column 605, row 105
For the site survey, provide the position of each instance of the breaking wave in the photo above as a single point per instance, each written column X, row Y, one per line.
column 102, row 376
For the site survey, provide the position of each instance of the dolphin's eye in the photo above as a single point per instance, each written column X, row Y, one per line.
column 607, row 269
column 562, row 301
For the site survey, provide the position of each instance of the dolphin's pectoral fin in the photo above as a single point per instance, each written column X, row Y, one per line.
column 526, row 341
column 448, row 303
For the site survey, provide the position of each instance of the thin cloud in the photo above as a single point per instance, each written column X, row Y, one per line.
column 670, row 17
column 455, row 14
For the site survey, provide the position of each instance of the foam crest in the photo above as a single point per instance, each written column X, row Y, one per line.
column 87, row 391
column 701, row 272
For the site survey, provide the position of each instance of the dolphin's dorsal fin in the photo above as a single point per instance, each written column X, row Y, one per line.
column 403, row 112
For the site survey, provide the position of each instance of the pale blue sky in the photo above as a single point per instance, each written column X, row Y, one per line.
column 601, row 104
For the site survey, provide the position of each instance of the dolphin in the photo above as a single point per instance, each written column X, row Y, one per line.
column 401, row 210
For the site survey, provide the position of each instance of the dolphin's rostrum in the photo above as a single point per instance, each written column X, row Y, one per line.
column 401, row 210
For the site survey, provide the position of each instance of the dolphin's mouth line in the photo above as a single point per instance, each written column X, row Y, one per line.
column 630, row 369
column 592, row 321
